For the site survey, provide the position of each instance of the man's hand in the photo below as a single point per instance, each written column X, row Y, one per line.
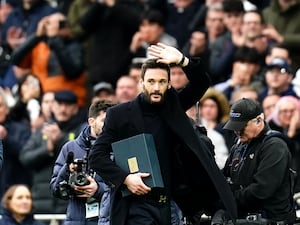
column 166, row 54
column 15, row 37
column 87, row 190
column 135, row 183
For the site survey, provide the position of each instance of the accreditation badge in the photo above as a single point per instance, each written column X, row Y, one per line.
column 91, row 210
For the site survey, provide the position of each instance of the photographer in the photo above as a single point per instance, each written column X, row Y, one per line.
column 258, row 168
column 73, row 181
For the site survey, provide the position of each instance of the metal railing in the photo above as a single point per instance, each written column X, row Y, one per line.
column 53, row 219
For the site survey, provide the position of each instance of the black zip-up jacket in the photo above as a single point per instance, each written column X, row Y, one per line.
column 261, row 179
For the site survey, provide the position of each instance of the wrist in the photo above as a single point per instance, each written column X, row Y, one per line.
column 183, row 61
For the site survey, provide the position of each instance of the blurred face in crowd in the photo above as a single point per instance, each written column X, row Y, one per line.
column 243, row 72
column 278, row 52
column 209, row 110
column 277, row 79
column 64, row 111
column 178, row 78
column 182, row 3
column 46, row 104
column 126, row 89
column 155, row 85
column 233, row 21
column 285, row 4
column 269, row 103
column 30, row 88
column 151, row 32
column 135, row 73
column 214, row 22
column 20, row 203
column 5, row 10
column 4, row 110
column 197, row 42
column 252, row 25
column 286, row 112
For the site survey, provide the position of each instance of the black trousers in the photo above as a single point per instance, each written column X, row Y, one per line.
column 145, row 211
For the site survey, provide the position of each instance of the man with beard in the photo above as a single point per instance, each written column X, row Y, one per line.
column 190, row 175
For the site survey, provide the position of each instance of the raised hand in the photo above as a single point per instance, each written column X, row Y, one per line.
column 166, row 54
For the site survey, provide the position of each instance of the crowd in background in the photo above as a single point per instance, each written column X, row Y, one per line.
column 59, row 56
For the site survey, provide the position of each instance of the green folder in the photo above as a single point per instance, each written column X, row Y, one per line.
column 138, row 154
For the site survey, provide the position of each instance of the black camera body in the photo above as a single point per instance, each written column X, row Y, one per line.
column 79, row 177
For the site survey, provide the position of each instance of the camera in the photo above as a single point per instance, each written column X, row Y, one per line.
column 79, row 177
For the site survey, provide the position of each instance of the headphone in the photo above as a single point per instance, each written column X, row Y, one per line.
column 257, row 121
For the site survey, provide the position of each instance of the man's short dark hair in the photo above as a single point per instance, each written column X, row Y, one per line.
column 153, row 16
column 246, row 54
column 98, row 106
column 152, row 64
column 233, row 6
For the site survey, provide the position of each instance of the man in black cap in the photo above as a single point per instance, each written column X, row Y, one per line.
column 41, row 150
column 258, row 166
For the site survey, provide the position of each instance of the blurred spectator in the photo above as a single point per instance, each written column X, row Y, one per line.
column 43, row 147
column 28, row 100
column 214, row 111
column 111, row 25
column 283, row 26
column 223, row 49
column 6, row 7
column 20, row 24
column 77, row 9
column 251, row 33
column 17, row 207
column 278, row 51
column 214, row 22
column 199, row 18
column 296, row 83
column 245, row 67
column 151, row 31
column 47, row 100
column 135, row 68
column 1, row 154
column 126, row 89
column 103, row 91
column 278, row 79
column 247, row 91
column 178, row 78
column 180, row 17
column 54, row 57
column 286, row 119
column 268, row 105
column 14, row 135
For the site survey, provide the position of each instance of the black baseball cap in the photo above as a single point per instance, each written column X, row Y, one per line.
column 241, row 112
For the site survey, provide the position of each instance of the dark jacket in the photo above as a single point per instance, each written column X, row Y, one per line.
column 198, row 166
column 1, row 155
column 76, row 206
column 261, row 179
column 111, row 29
column 7, row 219
column 17, row 135
column 27, row 20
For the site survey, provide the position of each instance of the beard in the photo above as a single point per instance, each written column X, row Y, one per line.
column 148, row 97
